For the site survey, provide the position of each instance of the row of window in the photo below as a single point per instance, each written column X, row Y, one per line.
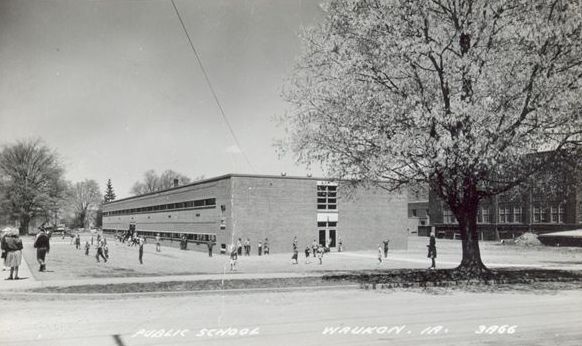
column 209, row 202
column 514, row 215
column 202, row 237
column 326, row 197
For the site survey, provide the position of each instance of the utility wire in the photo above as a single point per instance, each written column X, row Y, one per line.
column 211, row 88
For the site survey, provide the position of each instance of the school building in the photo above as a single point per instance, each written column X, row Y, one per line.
column 223, row 209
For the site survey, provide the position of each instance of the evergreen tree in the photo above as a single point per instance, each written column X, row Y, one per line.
column 109, row 193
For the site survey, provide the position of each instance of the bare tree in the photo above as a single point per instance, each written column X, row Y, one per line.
column 152, row 182
column 458, row 94
column 85, row 201
column 30, row 178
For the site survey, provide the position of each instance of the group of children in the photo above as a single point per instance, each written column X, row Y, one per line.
column 263, row 248
column 316, row 249
column 102, row 249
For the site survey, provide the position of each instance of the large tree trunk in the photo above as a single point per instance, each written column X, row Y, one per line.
column 466, row 214
column 24, row 224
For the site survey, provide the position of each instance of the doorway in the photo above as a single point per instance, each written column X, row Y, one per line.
column 327, row 233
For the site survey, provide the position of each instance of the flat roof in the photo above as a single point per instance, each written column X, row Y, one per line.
column 221, row 177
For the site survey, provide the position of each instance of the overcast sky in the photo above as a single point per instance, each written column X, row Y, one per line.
column 114, row 88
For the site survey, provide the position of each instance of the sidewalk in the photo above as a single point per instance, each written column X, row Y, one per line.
column 19, row 285
column 26, row 279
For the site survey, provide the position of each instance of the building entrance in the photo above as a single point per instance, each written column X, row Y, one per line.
column 327, row 234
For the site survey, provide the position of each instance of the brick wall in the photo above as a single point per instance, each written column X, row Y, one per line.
column 372, row 215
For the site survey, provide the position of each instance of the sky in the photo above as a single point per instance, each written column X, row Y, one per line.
column 114, row 87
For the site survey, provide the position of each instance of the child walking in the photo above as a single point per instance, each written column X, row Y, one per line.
column 87, row 247
column 307, row 253
column 233, row 258
column 380, row 254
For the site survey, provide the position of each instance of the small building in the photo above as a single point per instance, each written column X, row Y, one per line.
column 223, row 209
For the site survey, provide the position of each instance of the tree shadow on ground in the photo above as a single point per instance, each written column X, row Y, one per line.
column 454, row 277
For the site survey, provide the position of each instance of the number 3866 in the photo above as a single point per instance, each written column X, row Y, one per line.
column 504, row 329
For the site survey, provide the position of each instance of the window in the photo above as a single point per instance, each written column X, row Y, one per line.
column 448, row 217
column 326, row 196
column 483, row 216
column 537, row 214
column 517, row 215
column 554, row 215
column 504, row 215
column 561, row 214
column 414, row 212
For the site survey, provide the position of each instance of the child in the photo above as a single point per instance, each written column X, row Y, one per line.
column 260, row 248
column 87, row 247
column 295, row 255
column 266, row 246
column 106, row 250
column 379, row 254
column 158, row 249
column 307, row 253
column 233, row 258
column 432, row 252
column 320, row 251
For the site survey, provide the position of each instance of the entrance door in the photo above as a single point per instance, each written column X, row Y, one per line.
column 327, row 234
column 322, row 237
column 331, row 238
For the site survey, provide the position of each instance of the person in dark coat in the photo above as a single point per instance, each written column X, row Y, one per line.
column 386, row 242
column 432, row 252
column 141, row 242
column 210, row 245
column 42, row 245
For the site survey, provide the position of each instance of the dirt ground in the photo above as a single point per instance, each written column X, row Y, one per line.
column 64, row 262
column 310, row 317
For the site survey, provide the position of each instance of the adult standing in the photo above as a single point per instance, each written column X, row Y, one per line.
column 141, row 242
column 210, row 244
column 386, row 242
column 247, row 247
column 42, row 245
column 12, row 248
column 432, row 252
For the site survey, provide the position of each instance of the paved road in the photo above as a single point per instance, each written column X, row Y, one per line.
column 338, row 317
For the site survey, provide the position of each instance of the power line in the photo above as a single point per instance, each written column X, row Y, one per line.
column 211, row 88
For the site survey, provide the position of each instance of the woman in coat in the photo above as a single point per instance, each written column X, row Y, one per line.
column 12, row 245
